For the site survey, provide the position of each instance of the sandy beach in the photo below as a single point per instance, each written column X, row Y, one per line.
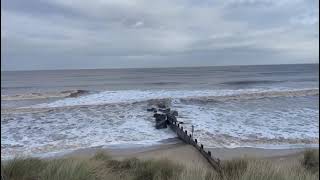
column 187, row 155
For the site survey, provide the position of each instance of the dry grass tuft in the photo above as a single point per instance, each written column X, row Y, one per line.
column 234, row 169
column 20, row 168
column 311, row 160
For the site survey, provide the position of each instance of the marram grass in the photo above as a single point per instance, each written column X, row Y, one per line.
column 103, row 167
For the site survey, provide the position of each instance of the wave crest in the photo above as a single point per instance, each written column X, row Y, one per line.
column 45, row 95
column 250, row 82
column 135, row 96
column 253, row 95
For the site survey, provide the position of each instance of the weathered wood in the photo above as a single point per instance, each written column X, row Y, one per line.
column 171, row 118
column 160, row 116
column 152, row 109
column 161, row 124
column 174, row 113
column 167, row 111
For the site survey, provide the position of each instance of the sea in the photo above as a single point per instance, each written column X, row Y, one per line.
column 44, row 113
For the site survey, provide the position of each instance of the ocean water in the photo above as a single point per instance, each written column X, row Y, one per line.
column 48, row 112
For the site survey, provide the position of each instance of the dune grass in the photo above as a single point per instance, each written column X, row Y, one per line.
column 103, row 167
column 34, row 169
column 311, row 160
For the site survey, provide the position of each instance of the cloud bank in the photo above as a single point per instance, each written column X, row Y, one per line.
column 73, row 34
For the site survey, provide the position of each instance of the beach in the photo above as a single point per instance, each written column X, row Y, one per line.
column 187, row 155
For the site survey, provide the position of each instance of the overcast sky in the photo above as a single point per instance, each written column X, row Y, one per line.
column 73, row 34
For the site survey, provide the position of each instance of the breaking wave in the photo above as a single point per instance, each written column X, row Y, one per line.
column 250, row 82
column 255, row 95
column 46, row 95
column 135, row 96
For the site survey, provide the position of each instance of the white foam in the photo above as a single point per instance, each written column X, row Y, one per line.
column 50, row 132
column 231, row 124
column 127, row 96
column 249, row 124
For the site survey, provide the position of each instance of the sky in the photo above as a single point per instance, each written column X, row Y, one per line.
column 83, row 34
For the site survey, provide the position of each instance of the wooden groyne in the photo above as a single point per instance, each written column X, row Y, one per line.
column 166, row 117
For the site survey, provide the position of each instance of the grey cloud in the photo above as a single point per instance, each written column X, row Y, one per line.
column 127, row 33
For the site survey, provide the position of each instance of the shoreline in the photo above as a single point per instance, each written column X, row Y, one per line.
column 182, row 153
column 189, row 156
column 122, row 151
column 221, row 153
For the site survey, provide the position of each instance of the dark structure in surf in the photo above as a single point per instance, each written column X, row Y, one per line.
column 165, row 117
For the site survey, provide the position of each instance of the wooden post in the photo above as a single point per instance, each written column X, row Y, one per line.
column 192, row 131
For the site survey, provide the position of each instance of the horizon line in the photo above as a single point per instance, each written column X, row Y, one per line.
column 157, row 67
